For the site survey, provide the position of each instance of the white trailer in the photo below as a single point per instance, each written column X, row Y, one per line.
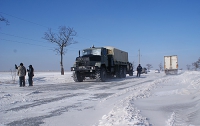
column 171, row 64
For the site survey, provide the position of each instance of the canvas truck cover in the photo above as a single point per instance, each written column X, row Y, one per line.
column 118, row 55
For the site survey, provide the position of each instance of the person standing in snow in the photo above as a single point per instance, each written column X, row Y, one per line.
column 21, row 72
column 30, row 75
column 139, row 70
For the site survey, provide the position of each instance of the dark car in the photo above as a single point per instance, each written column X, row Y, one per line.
column 144, row 70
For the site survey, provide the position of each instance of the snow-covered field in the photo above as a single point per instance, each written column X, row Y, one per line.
column 154, row 99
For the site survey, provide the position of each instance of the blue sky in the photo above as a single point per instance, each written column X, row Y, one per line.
column 156, row 27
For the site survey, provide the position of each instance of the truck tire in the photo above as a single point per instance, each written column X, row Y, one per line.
column 119, row 72
column 100, row 75
column 124, row 72
column 77, row 76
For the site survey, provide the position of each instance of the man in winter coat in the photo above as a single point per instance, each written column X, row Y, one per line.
column 21, row 72
column 139, row 70
column 30, row 75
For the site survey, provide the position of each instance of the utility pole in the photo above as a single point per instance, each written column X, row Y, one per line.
column 139, row 56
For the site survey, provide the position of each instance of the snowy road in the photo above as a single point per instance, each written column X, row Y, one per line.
column 55, row 100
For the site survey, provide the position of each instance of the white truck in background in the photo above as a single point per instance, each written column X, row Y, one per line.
column 171, row 64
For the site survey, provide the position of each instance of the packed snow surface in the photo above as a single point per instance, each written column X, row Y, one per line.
column 154, row 99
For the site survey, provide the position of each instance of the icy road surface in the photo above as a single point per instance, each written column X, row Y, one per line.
column 154, row 99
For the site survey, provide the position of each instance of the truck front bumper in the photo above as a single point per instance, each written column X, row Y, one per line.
column 84, row 68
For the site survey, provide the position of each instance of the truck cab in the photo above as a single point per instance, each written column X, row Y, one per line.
column 92, row 60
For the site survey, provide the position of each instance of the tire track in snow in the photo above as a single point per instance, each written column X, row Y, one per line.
column 135, row 84
column 43, row 101
column 130, row 88
column 37, row 121
column 180, row 117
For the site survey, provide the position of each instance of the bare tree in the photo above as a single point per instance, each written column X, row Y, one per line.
column 149, row 66
column 160, row 66
column 4, row 20
column 188, row 67
column 196, row 65
column 63, row 39
column 198, row 61
column 13, row 75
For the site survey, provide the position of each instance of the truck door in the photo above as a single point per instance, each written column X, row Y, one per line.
column 167, row 62
column 174, row 63
column 104, row 57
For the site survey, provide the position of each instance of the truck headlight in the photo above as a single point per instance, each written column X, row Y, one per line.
column 98, row 64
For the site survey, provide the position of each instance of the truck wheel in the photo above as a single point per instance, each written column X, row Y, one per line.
column 119, row 73
column 124, row 72
column 77, row 77
column 100, row 75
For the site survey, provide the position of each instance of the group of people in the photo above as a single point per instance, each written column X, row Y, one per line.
column 21, row 72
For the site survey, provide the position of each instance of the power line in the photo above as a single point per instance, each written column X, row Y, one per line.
column 21, row 37
column 24, row 43
column 42, row 25
column 24, row 20
column 51, row 48
column 34, row 39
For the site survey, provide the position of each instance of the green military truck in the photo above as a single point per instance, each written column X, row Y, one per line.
column 101, row 63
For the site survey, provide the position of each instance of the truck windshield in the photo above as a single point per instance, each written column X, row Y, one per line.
column 92, row 52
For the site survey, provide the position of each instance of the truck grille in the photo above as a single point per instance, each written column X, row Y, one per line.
column 87, row 61
column 82, row 61
column 82, row 64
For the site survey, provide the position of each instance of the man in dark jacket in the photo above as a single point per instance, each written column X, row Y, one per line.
column 21, row 72
column 139, row 70
column 30, row 75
